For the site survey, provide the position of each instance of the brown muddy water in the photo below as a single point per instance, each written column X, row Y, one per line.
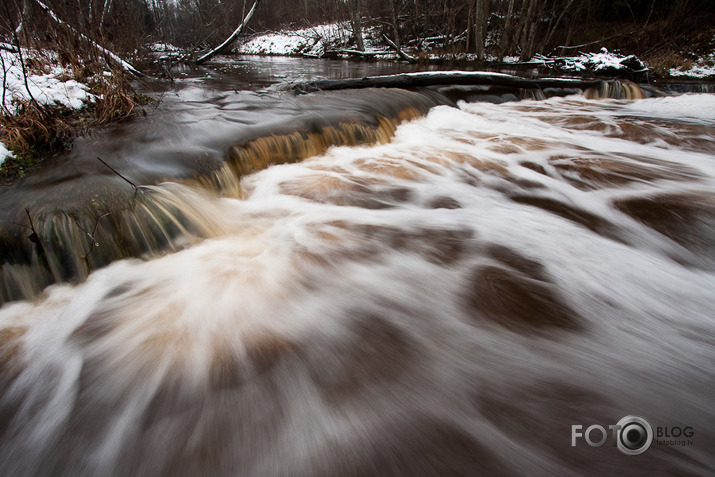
column 433, row 287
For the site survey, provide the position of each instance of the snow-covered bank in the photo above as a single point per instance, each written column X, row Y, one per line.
column 336, row 40
column 307, row 41
column 42, row 80
column 45, row 102
column 45, row 81
column 164, row 47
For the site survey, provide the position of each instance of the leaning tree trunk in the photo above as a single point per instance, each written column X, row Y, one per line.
column 552, row 28
column 227, row 42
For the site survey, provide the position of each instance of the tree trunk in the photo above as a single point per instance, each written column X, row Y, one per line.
column 356, row 22
column 27, row 17
column 412, row 80
column 521, row 26
column 395, row 25
column 507, row 34
column 399, row 51
column 534, row 28
column 105, row 10
column 480, row 27
column 528, row 33
column 227, row 42
column 470, row 19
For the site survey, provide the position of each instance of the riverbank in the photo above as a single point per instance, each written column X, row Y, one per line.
column 47, row 102
column 692, row 60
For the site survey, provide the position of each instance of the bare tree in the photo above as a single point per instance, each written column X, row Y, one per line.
column 108, row 54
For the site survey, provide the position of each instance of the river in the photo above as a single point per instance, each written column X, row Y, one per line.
column 447, row 299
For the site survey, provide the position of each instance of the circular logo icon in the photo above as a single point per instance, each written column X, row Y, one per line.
column 634, row 436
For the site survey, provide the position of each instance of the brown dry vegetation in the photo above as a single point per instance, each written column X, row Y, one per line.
column 36, row 131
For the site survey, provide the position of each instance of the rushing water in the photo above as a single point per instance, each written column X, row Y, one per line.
column 448, row 303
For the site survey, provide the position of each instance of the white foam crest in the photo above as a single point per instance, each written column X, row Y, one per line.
column 686, row 106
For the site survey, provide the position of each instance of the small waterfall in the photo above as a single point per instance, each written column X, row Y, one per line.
column 260, row 153
column 67, row 246
column 615, row 89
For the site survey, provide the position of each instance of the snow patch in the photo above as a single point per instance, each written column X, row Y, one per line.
column 602, row 62
column 164, row 47
column 308, row 41
column 4, row 153
column 703, row 67
column 316, row 42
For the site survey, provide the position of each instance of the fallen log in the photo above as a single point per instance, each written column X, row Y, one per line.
column 414, row 80
column 360, row 54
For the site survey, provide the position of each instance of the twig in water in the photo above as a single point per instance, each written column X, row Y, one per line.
column 93, row 241
column 136, row 187
column 35, row 238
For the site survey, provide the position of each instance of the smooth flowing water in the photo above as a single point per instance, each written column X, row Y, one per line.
column 449, row 302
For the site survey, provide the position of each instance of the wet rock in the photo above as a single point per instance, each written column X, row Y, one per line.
column 591, row 221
